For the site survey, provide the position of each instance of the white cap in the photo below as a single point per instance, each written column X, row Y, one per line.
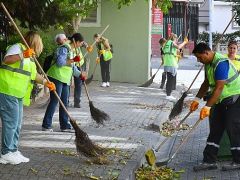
column 60, row 37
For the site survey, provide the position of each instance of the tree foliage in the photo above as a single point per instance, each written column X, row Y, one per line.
column 236, row 8
column 204, row 36
column 42, row 14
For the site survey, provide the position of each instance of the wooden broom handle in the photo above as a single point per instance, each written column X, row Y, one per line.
column 85, row 86
column 35, row 59
column 95, row 40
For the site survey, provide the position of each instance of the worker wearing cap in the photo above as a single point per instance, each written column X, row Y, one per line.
column 222, row 78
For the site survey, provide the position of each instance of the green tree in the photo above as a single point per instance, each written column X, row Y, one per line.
column 42, row 14
column 236, row 8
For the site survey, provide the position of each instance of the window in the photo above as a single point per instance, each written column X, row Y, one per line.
column 94, row 19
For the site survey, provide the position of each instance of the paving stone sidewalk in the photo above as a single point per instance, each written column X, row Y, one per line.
column 135, row 115
column 191, row 153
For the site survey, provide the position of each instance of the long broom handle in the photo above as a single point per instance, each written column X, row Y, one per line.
column 185, row 139
column 215, row 47
column 225, row 29
column 95, row 68
column 35, row 59
column 95, row 40
column 179, row 124
column 195, row 78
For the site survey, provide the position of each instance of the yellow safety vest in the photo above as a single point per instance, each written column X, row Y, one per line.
column 16, row 78
column 64, row 73
column 79, row 53
column 236, row 61
column 232, row 83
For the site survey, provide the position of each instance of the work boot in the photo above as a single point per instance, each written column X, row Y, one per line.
column 232, row 166
column 205, row 166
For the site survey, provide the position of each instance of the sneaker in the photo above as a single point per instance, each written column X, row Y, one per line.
column 47, row 129
column 170, row 98
column 69, row 130
column 232, row 166
column 104, row 84
column 108, row 84
column 205, row 166
column 20, row 156
column 10, row 158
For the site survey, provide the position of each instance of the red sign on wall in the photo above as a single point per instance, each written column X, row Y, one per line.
column 169, row 29
column 157, row 30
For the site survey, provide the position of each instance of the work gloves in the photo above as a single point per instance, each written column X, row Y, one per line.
column 77, row 59
column 205, row 112
column 97, row 60
column 89, row 48
column 28, row 53
column 194, row 104
column 101, row 52
column 83, row 76
column 51, row 86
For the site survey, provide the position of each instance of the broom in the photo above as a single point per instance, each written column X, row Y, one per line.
column 83, row 143
column 89, row 80
column 150, row 81
column 97, row 115
column 177, row 109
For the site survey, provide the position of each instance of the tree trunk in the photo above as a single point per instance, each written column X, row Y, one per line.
column 73, row 27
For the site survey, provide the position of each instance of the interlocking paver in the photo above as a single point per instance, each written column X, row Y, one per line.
column 131, row 109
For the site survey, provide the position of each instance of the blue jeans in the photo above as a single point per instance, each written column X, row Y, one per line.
column 11, row 112
column 62, row 91
column 77, row 90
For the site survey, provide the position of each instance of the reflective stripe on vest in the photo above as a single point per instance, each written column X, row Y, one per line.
column 63, row 73
column 170, row 54
column 79, row 52
column 232, row 84
column 236, row 61
column 16, row 77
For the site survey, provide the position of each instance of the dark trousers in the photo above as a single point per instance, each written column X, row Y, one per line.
column 171, row 83
column 223, row 117
column 77, row 90
column 62, row 90
column 105, row 70
column 164, row 77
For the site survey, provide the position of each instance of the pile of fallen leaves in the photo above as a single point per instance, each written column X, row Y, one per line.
column 169, row 127
column 157, row 173
column 148, row 106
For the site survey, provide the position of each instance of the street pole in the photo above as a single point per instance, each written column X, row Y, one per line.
column 210, row 22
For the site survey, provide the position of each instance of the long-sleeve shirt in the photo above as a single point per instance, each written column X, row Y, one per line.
column 62, row 57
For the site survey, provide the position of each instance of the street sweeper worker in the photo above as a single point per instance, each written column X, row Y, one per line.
column 17, row 72
column 60, row 73
column 232, row 54
column 105, row 54
column 222, row 78
column 77, row 81
column 162, row 42
column 171, row 62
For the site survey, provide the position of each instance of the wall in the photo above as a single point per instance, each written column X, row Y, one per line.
column 222, row 14
column 129, row 32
